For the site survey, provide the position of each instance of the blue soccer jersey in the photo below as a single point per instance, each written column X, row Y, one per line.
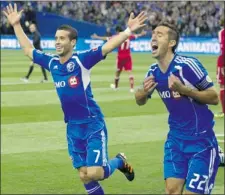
column 72, row 83
column 188, row 118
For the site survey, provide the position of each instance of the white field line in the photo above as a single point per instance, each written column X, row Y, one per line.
column 220, row 135
column 94, row 78
column 38, row 97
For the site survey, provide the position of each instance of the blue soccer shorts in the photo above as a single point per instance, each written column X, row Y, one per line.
column 195, row 161
column 87, row 143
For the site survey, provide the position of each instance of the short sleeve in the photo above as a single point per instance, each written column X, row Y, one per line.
column 91, row 57
column 148, row 73
column 196, row 74
column 42, row 59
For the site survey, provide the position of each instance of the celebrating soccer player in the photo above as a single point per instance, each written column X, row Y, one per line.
column 191, row 149
column 86, row 129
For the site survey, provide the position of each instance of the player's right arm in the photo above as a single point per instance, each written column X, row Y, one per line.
column 95, row 36
column 14, row 19
column 143, row 33
column 143, row 92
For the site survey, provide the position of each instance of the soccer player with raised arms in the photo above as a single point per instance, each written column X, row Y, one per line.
column 191, row 149
column 86, row 129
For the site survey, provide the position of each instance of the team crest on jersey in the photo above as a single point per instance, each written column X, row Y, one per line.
column 70, row 66
column 73, row 81
column 95, row 49
column 39, row 51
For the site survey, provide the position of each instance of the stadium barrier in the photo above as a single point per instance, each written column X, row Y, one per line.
column 53, row 21
column 187, row 45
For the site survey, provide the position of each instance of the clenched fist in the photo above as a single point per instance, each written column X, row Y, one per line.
column 149, row 84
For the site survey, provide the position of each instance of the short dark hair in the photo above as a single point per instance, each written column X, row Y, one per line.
column 173, row 32
column 72, row 31
column 33, row 24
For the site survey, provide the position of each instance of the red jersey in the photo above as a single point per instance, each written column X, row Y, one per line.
column 124, row 48
column 221, row 41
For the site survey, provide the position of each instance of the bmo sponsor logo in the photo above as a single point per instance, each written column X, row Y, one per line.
column 168, row 94
column 60, row 84
column 73, row 81
column 164, row 94
column 175, row 94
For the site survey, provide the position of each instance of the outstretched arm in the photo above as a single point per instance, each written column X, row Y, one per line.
column 143, row 33
column 95, row 36
column 133, row 24
column 14, row 19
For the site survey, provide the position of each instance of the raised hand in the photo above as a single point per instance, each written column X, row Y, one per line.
column 12, row 15
column 138, row 22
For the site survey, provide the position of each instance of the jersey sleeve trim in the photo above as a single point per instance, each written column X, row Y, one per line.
column 152, row 68
column 49, row 64
column 195, row 68
column 205, row 83
column 191, row 63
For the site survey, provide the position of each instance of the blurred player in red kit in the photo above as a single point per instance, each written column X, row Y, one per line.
column 220, row 68
column 124, row 60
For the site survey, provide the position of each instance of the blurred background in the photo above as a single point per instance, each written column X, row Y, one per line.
column 192, row 18
column 34, row 157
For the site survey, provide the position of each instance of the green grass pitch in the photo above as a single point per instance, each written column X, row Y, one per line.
column 34, row 158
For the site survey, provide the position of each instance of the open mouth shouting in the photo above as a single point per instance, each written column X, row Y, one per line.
column 154, row 46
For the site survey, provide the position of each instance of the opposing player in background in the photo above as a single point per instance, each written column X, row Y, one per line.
column 124, row 59
column 220, row 68
column 191, row 149
column 86, row 129
column 220, row 80
column 36, row 37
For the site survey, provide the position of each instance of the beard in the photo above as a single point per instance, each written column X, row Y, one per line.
column 63, row 53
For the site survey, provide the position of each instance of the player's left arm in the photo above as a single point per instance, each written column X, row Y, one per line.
column 206, row 96
column 95, row 36
column 143, row 33
column 200, row 86
column 133, row 24
column 90, row 57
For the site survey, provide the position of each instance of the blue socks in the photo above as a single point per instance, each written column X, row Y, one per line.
column 94, row 188
column 112, row 165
